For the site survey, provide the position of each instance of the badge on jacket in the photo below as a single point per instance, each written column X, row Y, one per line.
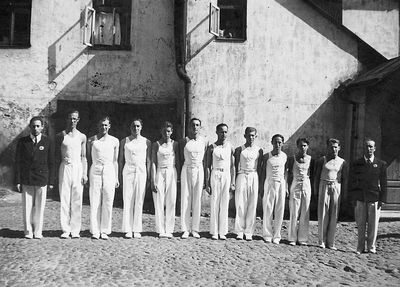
column 375, row 165
column 41, row 147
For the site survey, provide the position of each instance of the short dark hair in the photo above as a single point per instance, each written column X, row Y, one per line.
column 37, row 118
column 249, row 130
column 72, row 111
column 278, row 136
column 105, row 118
column 195, row 119
column 137, row 120
column 220, row 126
column 332, row 141
column 369, row 140
column 302, row 140
column 166, row 125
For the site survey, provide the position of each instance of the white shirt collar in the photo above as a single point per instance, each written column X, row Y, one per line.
column 39, row 137
column 371, row 159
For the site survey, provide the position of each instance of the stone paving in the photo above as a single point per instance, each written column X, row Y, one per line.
column 151, row 261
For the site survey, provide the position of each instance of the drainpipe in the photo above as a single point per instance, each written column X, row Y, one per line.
column 180, row 26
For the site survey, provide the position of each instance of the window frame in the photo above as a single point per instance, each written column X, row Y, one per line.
column 16, row 6
column 109, row 8
column 240, row 6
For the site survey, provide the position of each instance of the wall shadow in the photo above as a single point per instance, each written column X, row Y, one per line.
column 317, row 19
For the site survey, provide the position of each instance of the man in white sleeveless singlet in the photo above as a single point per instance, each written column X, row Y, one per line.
column 192, row 149
column 134, row 165
column 72, row 175
column 248, row 158
column 220, row 179
column 299, row 170
column 330, row 181
column 103, row 179
column 165, row 162
column 275, row 189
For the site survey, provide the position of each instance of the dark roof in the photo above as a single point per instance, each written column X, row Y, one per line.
column 377, row 74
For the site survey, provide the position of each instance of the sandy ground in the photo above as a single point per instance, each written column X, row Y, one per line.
column 151, row 261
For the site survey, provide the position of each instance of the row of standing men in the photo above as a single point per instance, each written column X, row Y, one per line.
column 217, row 167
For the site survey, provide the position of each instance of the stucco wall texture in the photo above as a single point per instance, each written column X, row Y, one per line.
column 59, row 66
column 376, row 22
column 281, row 80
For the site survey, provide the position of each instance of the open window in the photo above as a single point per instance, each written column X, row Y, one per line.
column 108, row 24
column 15, row 23
column 214, row 20
column 229, row 17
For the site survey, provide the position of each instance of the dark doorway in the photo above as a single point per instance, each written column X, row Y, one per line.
column 121, row 117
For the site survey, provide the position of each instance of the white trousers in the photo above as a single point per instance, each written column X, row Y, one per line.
column 33, row 203
column 134, row 188
column 192, row 179
column 246, row 196
column 71, row 189
column 367, row 218
column 299, row 204
column 101, row 192
column 220, row 184
column 165, row 198
column 328, row 211
column 273, row 208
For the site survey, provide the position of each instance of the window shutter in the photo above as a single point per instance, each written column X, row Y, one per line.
column 214, row 20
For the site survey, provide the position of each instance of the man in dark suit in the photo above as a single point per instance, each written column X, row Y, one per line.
column 34, row 171
column 368, row 189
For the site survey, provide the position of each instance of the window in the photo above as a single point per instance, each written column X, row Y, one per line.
column 231, row 15
column 108, row 24
column 15, row 23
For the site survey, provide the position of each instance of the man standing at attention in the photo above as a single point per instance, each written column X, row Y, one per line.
column 34, row 171
column 220, row 180
column 102, row 151
column 330, row 180
column 192, row 149
column 368, row 188
column 248, row 159
column 72, row 175
column 275, row 189
column 300, row 167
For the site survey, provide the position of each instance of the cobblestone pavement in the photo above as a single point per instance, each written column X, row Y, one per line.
column 151, row 261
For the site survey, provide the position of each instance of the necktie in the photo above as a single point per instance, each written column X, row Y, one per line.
column 36, row 141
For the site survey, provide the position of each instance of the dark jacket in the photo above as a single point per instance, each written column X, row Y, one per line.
column 34, row 164
column 368, row 180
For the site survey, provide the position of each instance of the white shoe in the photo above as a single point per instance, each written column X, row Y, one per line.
column 185, row 235
column 65, row 235
column 195, row 234
column 39, row 236
column 239, row 236
column 267, row 240
column 276, row 241
column 137, row 235
column 214, row 237
column 332, row 248
column 249, row 237
column 222, row 237
column 162, row 235
column 292, row 243
column 104, row 236
column 128, row 235
column 303, row 243
column 168, row 235
column 29, row 236
column 75, row 236
column 322, row 245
